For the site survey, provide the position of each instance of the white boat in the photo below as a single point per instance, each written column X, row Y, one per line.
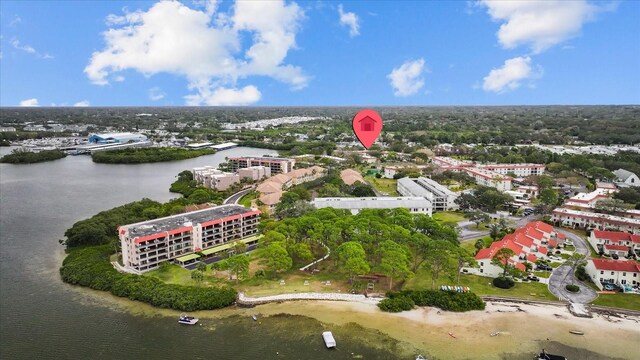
column 329, row 341
column 420, row 357
column 187, row 320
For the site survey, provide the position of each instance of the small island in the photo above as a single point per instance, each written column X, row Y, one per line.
column 20, row 156
column 147, row 155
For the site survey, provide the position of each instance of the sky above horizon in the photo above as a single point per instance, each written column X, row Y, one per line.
column 318, row 53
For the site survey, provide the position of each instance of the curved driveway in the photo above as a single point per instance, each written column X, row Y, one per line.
column 233, row 199
column 563, row 275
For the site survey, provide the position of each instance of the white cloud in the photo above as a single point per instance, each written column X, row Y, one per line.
column 29, row 49
column 224, row 96
column 83, row 103
column 407, row 79
column 204, row 47
column 510, row 75
column 118, row 78
column 350, row 20
column 155, row 94
column 29, row 102
column 539, row 24
column 15, row 21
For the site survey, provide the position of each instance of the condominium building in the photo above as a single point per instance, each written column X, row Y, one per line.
column 520, row 170
column 277, row 165
column 418, row 205
column 615, row 242
column 489, row 178
column 440, row 196
column 147, row 244
column 255, row 172
column 590, row 220
column 492, row 175
column 209, row 176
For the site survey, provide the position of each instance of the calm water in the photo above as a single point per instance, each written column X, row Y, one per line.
column 41, row 317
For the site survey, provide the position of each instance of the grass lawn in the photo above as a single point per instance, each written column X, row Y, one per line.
column 542, row 274
column 619, row 300
column 172, row 274
column 469, row 245
column 482, row 286
column 387, row 186
column 449, row 217
column 570, row 248
column 246, row 200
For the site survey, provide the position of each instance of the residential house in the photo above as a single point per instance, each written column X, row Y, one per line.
column 618, row 272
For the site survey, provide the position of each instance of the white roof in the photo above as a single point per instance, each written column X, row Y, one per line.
column 372, row 202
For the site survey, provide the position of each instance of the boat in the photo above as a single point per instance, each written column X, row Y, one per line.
column 420, row 357
column 187, row 320
column 453, row 336
column 495, row 333
column 329, row 341
column 576, row 332
column 255, row 318
column 546, row 356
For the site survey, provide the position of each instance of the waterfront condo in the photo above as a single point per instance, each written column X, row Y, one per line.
column 209, row 231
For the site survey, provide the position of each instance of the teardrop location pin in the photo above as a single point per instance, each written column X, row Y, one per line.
column 367, row 125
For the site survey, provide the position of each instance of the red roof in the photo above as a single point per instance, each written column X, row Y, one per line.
column 616, row 265
column 483, row 254
column 616, row 247
column 543, row 250
column 544, row 227
column 535, row 233
column 518, row 265
column 523, row 240
column 616, row 236
column 532, row 258
column 553, row 243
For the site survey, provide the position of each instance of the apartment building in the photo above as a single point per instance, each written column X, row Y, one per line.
column 623, row 273
column 209, row 176
column 589, row 220
column 440, row 196
column 147, row 244
column 520, row 170
column 614, row 242
column 489, row 178
column 255, row 172
column 277, row 165
column 417, row 205
column 484, row 174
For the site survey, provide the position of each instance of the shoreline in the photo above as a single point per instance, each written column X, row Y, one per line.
column 524, row 329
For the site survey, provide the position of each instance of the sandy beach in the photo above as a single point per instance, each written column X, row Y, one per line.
column 523, row 328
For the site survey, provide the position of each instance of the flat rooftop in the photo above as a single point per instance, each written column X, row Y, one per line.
column 372, row 202
column 182, row 220
column 264, row 158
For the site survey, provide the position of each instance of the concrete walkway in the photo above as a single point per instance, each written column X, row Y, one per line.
column 245, row 300
column 563, row 275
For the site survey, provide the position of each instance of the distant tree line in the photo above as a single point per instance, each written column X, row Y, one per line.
column 19, row 156
column 147, row 155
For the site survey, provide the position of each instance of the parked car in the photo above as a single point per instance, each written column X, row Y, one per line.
column 544, row 267
column 610, row 287
column 532, row 278
column 615, row 256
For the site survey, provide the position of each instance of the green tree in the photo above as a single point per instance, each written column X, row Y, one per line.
column 276, row 258
column 438, row 259
column 199, row 196
column 300, row 253
column 197, row 276
column 352, row 258
column 549, row 197
column 479, row 245
column 393, row 261
column 501, row 257
column 238, row 265
column 239, row 247
column 494, row 232
column 201, row 267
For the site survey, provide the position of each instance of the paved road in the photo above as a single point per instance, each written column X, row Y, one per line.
column 233, row 199
column 563, row 276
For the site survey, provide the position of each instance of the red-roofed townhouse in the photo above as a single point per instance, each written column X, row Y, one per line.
column 484, row 257
column 619, row 272
column 614, row 242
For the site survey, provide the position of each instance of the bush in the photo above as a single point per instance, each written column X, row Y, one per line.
column 503, row 282
column 396, row 304
column 90, row 267
column 445, row 300
column 573, row 288
column 581, row 273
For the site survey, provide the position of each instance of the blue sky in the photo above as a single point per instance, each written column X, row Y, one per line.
column 58, row 53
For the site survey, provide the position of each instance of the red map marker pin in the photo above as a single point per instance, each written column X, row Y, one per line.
column 367, row 125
